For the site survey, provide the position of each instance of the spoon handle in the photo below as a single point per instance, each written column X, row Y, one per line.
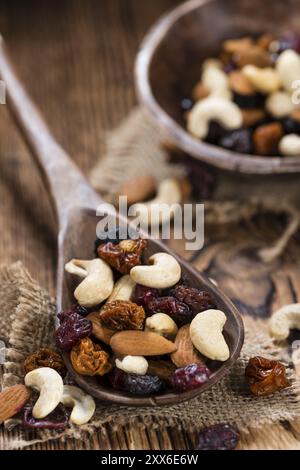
column 67, row 185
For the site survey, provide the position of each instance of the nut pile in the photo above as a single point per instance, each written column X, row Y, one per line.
column 137, row 326
column 246, row 100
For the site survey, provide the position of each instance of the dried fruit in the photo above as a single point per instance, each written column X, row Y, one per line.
column 190, row 377
column 291, row 125
column 135, row 384
column 100, row 331
column 253, row 116
column 45, row 357
column 122, row 315
column 112, row 236
column 141, row 343
column 143, row 295
column 163, row 369
column 218, row 437
column 58, row 419
column 215, row 132
column 186, row 353
column 124, row 255
column 73, row 327
column 266, row 138
column 12, row 400
column 286, row 41
column 257, row 100
column 196, row 299
column 238, row 141
column 177, row 310
column 89, row 358
column 265, row 376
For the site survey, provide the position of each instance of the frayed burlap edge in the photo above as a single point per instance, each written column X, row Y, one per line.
column 32, row 327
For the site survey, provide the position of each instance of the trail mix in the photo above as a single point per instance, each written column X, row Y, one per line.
column 247, row 100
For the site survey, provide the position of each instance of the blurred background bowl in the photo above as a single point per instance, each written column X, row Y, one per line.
column 168, row 66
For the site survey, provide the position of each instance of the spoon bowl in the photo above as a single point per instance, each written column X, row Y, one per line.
column 76, row 206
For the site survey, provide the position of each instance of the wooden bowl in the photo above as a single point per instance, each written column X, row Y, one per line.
column 168, row 65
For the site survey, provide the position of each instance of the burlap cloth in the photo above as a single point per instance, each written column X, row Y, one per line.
column 27, row 322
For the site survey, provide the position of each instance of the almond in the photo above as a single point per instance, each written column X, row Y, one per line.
column 186, row 353
column 12, row 401
column 100, row 331
column 141, row 343
column 240, row 84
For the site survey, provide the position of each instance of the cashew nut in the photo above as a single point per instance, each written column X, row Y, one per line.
column 289, row 145
column 164, row 271
column 123, row 289
column 284, row 320
column 263, row 80
column 215, row 108
column 279, row 104
column 216, row 80
column 288, row 68
column 50, row 385
column 133, row 364
column 83, row 405
column 162, row 207
column 98, row 283
column 206, row 334
column 162, row 324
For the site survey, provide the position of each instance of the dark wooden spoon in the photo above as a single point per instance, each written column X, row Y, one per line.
column 76, row 203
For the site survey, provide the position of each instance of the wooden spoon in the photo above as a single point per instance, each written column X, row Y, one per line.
column 76, row 203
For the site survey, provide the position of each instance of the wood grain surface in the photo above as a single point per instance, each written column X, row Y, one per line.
column 75, row 58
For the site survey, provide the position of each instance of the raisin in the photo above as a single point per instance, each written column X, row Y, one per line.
column 89, row 358
column 177, row 310
column 142, row 295
column 122, row 315
column 58, row 419
column 73, row 327
column 135, row 384
column 45, row 357
column 238, row 141
column 197, row 300
column 124, row 255
column 255, row 100
column 291, row 126
column 215, row 132
column 189, row 377
column 265, row 376
column 218, row 437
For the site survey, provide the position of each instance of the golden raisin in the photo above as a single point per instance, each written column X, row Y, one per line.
column 89, row 358
column 122, row 315
column 124, row 255
column 45, row 357
column 265, row 376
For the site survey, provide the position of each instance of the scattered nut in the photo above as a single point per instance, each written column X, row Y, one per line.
column 214, row 108
column 83, row 405
column 45, row 357
column 216, row 81
column 264, row 80
column 186, row 353
column 206, row 334
column 98, row 280
column 240, row 84
column 289, row 145
column 266, row 138
column 279, row 104
column 162, row 324
column 133, row 364
column 138, row 189
column 123, row 289
column 50, row 385
column 284, row 320
column 89, row 358
column 12, row 400
column 162, row 208
column 122, row 315
column 141, row 343
column 99, row 330
column 254, row 55
column 162, row 272
column 236, row 45
column 288, row 68
column 265, row 376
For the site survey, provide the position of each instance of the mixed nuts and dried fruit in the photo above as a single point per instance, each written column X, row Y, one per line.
column 246, row 100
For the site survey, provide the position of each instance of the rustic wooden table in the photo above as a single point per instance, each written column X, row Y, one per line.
column 76, row 59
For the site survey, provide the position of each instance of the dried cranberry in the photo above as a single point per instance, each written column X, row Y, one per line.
column 249, row 101
column 135, row 384
column 73, row 327
column 218, row 437
column 58, row 419
column 189, row 377
column 238, row 141
column 291, row 126
column 179, row 311
column 197, row 300
column 142, row 295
